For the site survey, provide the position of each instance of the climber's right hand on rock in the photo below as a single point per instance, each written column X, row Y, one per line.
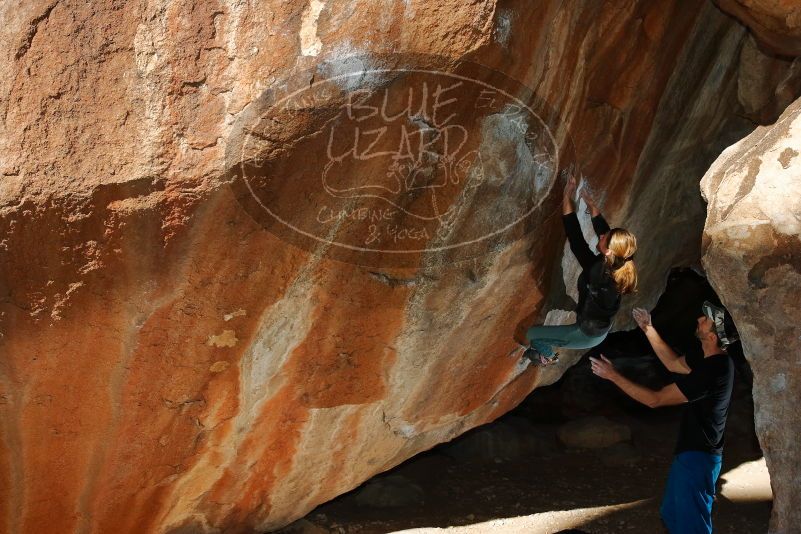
column 570, row 186
column 642, row 316
column 587, row 196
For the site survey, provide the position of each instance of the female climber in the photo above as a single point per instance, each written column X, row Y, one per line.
column 604, row 278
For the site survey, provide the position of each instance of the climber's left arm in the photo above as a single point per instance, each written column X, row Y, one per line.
column 599, row 224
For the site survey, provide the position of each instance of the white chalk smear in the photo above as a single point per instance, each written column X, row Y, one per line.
column 310, row 43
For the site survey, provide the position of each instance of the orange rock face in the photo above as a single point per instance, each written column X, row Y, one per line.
column 176, row 357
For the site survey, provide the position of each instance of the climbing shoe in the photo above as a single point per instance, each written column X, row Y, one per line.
column 539, row 359
column 544, row 360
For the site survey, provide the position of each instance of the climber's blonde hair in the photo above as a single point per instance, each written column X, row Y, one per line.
column 622, row 245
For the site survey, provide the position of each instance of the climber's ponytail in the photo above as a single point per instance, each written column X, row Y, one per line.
column 622, row 245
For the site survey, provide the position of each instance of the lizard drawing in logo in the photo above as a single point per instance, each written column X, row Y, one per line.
column 417, row 168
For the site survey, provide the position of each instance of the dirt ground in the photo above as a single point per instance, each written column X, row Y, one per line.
column 595, row 491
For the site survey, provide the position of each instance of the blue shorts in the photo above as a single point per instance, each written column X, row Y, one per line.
column 687, row 502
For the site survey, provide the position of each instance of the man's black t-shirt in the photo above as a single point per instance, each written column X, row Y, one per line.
column 708, row 389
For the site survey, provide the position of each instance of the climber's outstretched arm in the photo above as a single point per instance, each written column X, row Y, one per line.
column 599, row 224
column 568, row 206
column 672, row 361
column 575, row 237
column 585, row 194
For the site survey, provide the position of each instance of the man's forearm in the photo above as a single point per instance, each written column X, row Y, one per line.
column 635, row 391
column 663, row 351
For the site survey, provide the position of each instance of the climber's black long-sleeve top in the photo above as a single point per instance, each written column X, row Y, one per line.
column 599, row 298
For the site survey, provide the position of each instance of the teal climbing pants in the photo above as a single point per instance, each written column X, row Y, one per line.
column 569, row 336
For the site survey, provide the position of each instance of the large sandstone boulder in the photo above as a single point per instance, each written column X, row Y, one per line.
column 192, row 343
column 752, row 253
